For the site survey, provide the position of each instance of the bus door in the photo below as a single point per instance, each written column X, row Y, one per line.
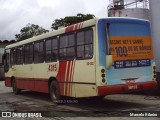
column 130, row 46
column 5, row 61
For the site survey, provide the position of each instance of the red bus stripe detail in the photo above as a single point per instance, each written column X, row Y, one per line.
column 81, row 25
column 69, row 93
column 73, row 67
column 69, row 29
column 67, row 80
column 61, row 75
column 76, row 27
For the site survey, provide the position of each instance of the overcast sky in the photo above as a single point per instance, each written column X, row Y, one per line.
column 15, row 14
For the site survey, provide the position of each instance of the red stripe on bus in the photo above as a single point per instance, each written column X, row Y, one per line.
column 67, row 78
column 81, row 25
column 70, row 85
column 74, row 27
column 77, row 26
column 61, row 75
column 69, row 29
column 73, row 67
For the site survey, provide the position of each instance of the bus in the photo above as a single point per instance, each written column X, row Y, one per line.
column 97, row 57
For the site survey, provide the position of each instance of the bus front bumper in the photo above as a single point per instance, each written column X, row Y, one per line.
column 126, row 88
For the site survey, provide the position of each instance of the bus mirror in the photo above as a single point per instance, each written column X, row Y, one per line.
column 109, row 61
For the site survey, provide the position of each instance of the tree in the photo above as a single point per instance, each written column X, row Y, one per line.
column 29, row 31
column 70, row 20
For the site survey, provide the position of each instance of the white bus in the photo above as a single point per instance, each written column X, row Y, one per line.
column 97, row 57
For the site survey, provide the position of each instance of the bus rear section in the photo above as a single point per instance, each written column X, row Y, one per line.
column 126, row 62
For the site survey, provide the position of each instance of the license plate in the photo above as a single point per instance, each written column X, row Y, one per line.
column 133, row 87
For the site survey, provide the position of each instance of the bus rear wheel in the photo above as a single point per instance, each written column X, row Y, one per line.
column 54, row 92
column 14, row 87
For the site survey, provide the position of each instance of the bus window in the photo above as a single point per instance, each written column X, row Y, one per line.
column 88, row 44
column 55, row 49
column 85, row 44
column 5, row 62
column 67, row 47
column 19, row 58
column 28, row 54
column 13, row 56
column 39, row 52
column 51, row 50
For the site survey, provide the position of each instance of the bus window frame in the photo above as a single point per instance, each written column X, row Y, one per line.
column 24, row 55
column 13, row 51
column 6, row 61
column 62, row 35
column 52, row 38
column 38, row 62
column 84, row 30
column 21, row 55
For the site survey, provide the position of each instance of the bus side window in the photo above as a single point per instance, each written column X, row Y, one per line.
column 80, row 45
column 51, row 49
column 28, row 53
column 11, row 57
column 88, row 44
column 5, row 62
column 39, row 52
column 19, row 57
column 84, row 44
column 67, row 47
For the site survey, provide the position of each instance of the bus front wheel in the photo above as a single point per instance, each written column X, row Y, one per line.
column 14, row 87
column 55, row 92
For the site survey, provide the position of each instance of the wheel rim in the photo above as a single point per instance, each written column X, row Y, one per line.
column 54, row 95
column 14, row 86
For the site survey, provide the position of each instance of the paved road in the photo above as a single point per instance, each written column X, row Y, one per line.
column 116, row 104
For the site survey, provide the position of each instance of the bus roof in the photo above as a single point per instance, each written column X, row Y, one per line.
column 51, row 34
column 63, row 30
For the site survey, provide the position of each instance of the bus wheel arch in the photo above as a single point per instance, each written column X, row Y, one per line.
column 14, row 86
column 12, row 78
column 54, row 90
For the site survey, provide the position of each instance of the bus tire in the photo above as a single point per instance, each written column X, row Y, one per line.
column 14, row 87
column 54, row 92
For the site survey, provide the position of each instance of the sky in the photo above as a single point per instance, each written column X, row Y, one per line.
column 16, row 14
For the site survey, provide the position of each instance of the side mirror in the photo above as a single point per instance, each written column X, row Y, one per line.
column 109, row 61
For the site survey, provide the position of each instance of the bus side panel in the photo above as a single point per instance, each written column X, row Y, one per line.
column 64, row 77
column 84, row 78
column 41, row 85
column 41, row 77
column 23, row 79
column 61, row 75
column 8, row 82
column 20, row 83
